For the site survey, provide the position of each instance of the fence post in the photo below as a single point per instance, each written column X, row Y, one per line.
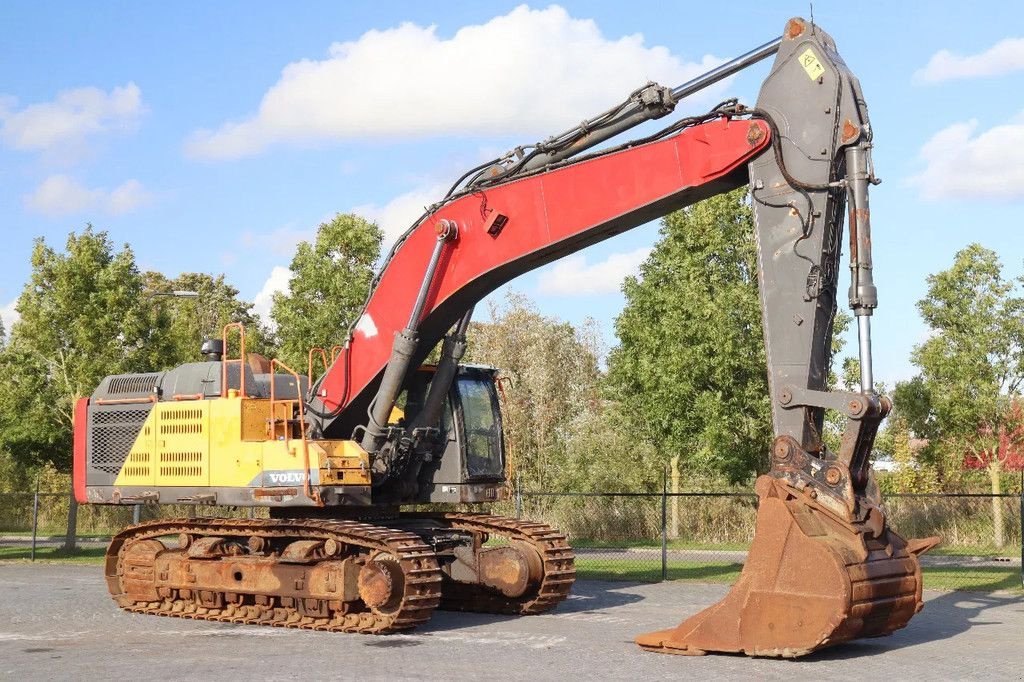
column 35, row 518
column 519, row 495
column 136, row 513
column 664, row 525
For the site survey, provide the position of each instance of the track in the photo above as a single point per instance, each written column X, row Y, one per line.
column 422, row 577
column 556, row 554
column 141, row 574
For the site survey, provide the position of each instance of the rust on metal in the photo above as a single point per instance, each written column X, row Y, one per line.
column 851, row 131
column 145, row 576
column 755, row 133
column 552, row 569
column 505, row 569
column 379, row 583
column 125, row 401
column 812, row 579
column 275, row 492
column 335, row 575
column 795, row 28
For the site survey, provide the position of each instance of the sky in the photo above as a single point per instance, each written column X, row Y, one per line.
column 212, row 137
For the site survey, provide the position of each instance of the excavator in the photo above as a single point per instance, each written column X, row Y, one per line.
column 346, row 461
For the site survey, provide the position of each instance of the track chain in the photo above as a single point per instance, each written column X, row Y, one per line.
column 556, row 554
column 419, row 564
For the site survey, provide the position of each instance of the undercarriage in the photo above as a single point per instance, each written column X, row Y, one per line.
column 339, row 575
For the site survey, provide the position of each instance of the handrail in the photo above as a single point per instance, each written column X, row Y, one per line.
column 126, row 401
column 226, row 360
column 336, row 351
column 307, row 488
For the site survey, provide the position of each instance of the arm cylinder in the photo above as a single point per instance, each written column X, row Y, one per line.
column 653, row 102
column 863, row 294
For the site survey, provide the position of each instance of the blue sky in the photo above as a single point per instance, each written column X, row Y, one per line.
column 212, row 136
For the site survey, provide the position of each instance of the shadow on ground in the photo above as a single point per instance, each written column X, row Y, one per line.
column 587, row 595
column 943, row 617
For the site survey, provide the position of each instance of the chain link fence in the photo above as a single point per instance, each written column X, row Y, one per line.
column 704, row 536
column 633, row 536
column 35, row 525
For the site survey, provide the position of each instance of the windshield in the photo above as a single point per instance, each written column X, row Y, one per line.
column 482, row 427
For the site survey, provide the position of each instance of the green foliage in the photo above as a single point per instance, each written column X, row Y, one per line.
column 912, row 473
column 690, row 367
column 971, row 367
column 603, row 454
column 331, row 278
column 972, row 364
column 190, row 321
column 83, row 316
column 553, row 371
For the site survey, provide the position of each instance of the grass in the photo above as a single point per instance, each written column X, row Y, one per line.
column 693, row 571
column 949, row 578
column 973, row 579
column 958, row 550
column 86, row 555
column 970, row 579
column 976, row 550
column 58, row 533
column 584, row 543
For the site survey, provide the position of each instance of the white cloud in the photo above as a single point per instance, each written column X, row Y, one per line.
column 280, row 241
column 527, row 72
column 573, row 276
column 61, row 195
column 63, row 124
column 397, row 216
column 963, row 163
column 127, row 197
column 9, row 316
column 278, row 280
column 1006, row 56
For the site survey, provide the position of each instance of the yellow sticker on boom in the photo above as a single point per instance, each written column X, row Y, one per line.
column 811, row 65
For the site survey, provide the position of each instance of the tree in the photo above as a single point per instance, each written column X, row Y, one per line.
column 330, row 282
column 971, row 366
column 690, row 366
column 554, row 374
column 193, row 320
column 83, row 316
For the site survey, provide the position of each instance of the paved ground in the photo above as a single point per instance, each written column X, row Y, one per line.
column 56, row 622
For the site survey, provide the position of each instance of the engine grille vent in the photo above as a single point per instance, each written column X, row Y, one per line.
column 134, row 383
column 113, row 434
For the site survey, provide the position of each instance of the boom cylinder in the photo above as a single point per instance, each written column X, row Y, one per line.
column 403, row 350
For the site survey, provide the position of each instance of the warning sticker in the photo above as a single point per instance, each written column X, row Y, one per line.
column 811, row 65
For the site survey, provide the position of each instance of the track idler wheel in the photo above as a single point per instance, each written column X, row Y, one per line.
column 811, row 580
column 381, row 583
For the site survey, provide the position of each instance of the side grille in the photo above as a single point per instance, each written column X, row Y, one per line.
column 133, row 383
column 114, row 432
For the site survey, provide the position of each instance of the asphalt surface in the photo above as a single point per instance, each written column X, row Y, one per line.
column 56, row 622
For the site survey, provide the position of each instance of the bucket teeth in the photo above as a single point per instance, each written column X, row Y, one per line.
column 811, row 580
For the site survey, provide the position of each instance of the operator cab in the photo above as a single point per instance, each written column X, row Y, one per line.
column 471, row 465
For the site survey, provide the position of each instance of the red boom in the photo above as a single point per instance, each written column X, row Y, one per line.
column 548, row 215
